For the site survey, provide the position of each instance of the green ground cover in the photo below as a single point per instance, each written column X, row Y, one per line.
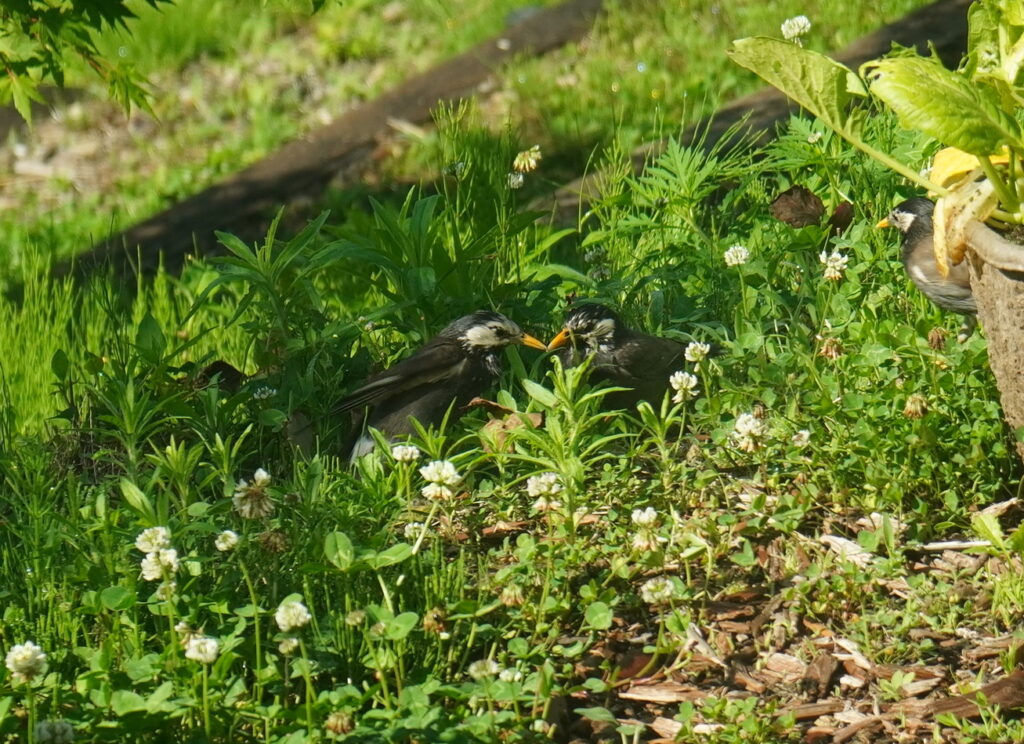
column 305, row 600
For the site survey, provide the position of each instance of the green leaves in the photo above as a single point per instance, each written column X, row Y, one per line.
column 944, row 105
column 819, row 84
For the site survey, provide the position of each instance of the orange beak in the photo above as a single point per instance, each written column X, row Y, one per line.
column 560, row 340
column 884, row 222
column 533, row 343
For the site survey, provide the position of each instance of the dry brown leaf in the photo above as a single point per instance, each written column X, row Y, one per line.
column 798, row 206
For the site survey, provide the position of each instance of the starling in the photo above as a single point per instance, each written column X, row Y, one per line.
column 913, row 218
column 621, row 357
column 451, row 369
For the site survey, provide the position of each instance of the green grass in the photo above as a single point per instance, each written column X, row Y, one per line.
column 488, row 616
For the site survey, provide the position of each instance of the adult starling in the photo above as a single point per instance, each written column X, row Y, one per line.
column 451, row 369
column 621, row 356
column 913, row 218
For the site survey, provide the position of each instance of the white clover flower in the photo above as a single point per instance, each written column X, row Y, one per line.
column 646, row 539
column 545, row 504
column 413, row 530
column 657, row 590
column 54, row 732
column 483, row 669
column 25, row 661
column 516, row 180
column 263, row 392
column 696, row 351
column 355, row 617
column 182, row 627
column 511, row 674
column 737, row 255
column 748, row 432
column 802, row 438
column 436, row 492
column 835, row 264
column 441, row 472
column 159, row 563
column 813, row 138
column 226, row 541
column 685, row 386
column 202, row 649
column 153, row 539
column 644, row 517
column 794, row 28
column 167, row 591
column 527, row 160
column 545, row 484
column 291, row 615
column 287, row 646
column 252, row 501
column 405, row 453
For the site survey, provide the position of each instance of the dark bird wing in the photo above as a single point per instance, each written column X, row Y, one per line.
column 433, row 363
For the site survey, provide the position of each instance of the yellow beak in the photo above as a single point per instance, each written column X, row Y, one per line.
column 560, row 340
column 884, row 222
column 533, row 343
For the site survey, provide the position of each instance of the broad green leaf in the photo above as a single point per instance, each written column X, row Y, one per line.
column 596, row 714
column 150, row 340
column 540, row 394
column 339, row 551
column 943, row 104
column 138, row 501
column 391, row 556
column 599, row 615
column 60, row 365
column 819, row 84
column 117, row 598
column 125, row 701
column 401, row 626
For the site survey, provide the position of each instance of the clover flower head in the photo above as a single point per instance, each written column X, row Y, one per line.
column 153, row 539
column 160, row 563
column 516, row 180
column 291, row 615
column 527, row 160
column 835, row 264
column 802, row 438
column 916, row 407
column 167, row 590
column 355, row 617
column 511, row 674
column 287, row 646
column 263, row 392
column 793, row 28
column 646, row 540
column 251, row 500
column 696, row 351
column 413, row 530
column 226, row 541
column 644, row 517
column 546, row 504
column 658, row 590
column 25, row 661
column 737, row 255
column 405, row 453
column 685, row 386
column 441, row 472
column 748, row 432
column 436, row 492
column 545, row 484
column 483, row 669
column 203, row 649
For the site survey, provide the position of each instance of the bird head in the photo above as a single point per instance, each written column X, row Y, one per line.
column 488, row 331
column 592, row 324
column 910, row 215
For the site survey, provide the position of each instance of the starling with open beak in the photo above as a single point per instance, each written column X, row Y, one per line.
column 621, row 356
column 451, row 369
column 913, row 218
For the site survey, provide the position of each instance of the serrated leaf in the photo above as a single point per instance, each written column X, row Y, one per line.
column 943, row 104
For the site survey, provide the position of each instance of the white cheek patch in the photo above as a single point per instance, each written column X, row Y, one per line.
column 481, row 336
column 604, row 329
column 902, row 220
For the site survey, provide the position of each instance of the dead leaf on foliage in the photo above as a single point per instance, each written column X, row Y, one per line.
column 1000, row 508
column 786, row 667
column 847, row 550
column 798, row 206
column 503, row 420
column 663, row 693
column 666, row 727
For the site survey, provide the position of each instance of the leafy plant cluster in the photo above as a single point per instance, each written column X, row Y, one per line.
column 289, row 598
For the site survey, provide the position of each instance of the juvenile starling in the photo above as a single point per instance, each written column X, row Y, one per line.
column 621, row 357
column 451, row 369
column 913, row 218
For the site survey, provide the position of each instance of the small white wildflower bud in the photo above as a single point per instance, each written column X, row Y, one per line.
column 405, row 453
column 696, row 351
column 737, row 255
column 202, row 649
column 226, row 541
column 25, row 661
column 292, row 615
column 153, row 539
